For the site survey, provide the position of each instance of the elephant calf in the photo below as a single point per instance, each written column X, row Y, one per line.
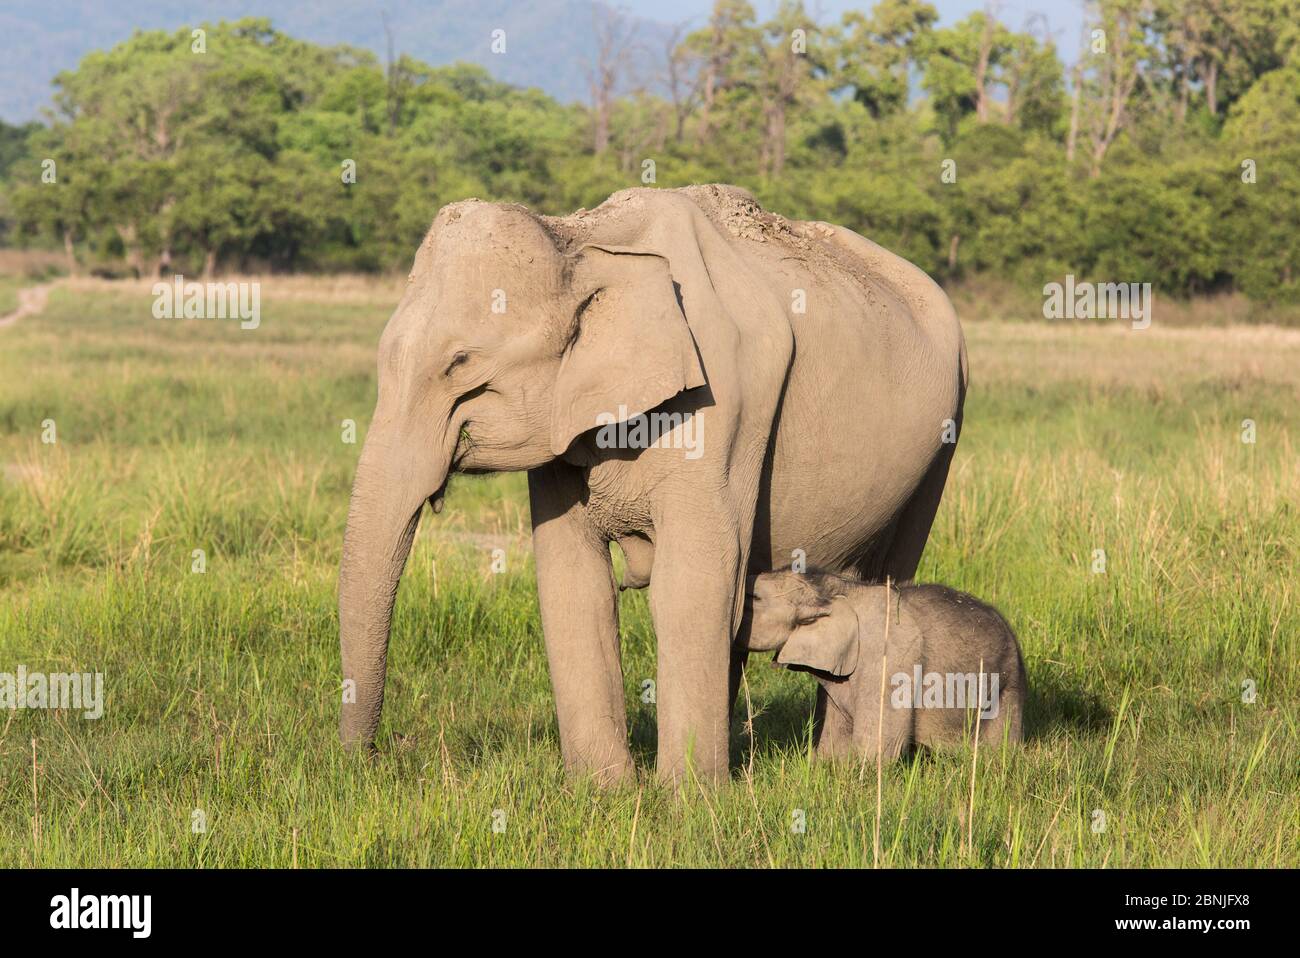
column 946, row 654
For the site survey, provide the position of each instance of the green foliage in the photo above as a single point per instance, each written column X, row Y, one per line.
column 876, row 50
column 1131, row 171
column 14, row 148
column 166, row 155
column 13, row 145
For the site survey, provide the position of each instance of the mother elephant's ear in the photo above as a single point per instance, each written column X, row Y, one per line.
column 630, row 348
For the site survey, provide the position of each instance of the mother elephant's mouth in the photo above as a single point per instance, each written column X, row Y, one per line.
column 464, row 443
column 458, row 453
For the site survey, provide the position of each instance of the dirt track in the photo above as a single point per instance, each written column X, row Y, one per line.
column 31, row 301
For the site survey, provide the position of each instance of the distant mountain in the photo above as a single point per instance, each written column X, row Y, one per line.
column 549, row 43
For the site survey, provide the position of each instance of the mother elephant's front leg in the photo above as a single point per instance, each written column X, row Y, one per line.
column 692, row 601
column 579, row 606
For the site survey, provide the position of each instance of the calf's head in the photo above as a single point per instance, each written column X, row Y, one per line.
column 807, row 620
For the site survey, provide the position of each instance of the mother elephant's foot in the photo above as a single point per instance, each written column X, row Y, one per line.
column 605, row 759
column 703, row 762
column 615, row 773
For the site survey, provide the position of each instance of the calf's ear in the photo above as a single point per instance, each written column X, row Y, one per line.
column 827, row 644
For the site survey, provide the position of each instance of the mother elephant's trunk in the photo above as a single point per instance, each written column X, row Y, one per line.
column 390, row 488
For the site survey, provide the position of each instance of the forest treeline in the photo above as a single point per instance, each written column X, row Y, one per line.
column 1168, row 153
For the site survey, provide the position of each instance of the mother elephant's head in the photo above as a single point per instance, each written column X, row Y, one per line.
column 504, row 349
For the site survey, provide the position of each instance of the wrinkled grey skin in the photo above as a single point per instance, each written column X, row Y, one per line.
column 828, row 374
column 834, row 628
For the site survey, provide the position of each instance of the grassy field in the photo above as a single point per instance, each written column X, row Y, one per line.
column 222, row 687
column 9, row 286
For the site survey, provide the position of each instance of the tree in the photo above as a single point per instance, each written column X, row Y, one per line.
column 877, row 51
column 65, row 209
column 1121, row 48
column 683, row 78
column 614, row 33
column 961, row 66
column 1032, row 75
column 788, row 63
column 15, row 144
column 726, row 47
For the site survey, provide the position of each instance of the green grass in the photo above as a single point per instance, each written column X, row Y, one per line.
column 9, row 286
column 222, row 687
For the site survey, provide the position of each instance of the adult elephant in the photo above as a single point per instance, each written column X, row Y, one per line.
column 824, row 375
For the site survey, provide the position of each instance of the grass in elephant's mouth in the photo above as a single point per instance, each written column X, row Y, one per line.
column 222, row 687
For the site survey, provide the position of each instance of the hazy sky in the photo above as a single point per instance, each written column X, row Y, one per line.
column 1063, row 16
column 42, row 37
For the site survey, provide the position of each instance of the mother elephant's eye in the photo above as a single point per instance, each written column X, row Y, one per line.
column 456, row 360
